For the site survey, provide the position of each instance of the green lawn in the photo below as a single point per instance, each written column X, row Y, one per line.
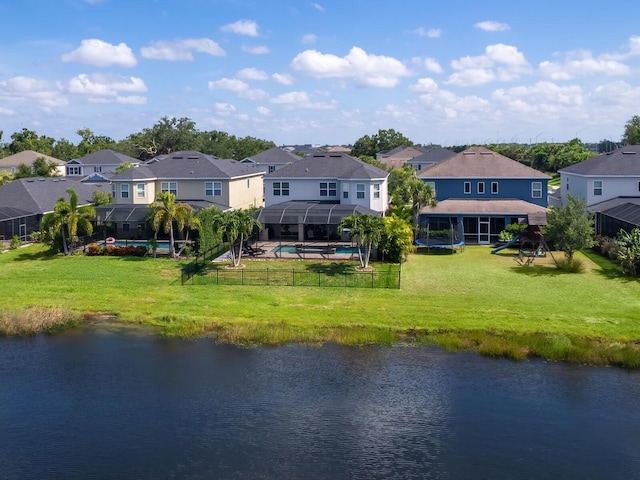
column 468, row 291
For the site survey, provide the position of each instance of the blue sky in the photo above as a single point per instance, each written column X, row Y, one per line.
column 325, row 72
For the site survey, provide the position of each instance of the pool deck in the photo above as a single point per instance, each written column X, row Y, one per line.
column 301, row 251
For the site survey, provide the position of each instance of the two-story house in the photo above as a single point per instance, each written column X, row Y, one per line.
column 103, row 161
column 195, row 178
column 610, row 185
column 307, row 199
column 479, row 192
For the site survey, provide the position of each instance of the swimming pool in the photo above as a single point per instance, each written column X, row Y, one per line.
column 341, row 249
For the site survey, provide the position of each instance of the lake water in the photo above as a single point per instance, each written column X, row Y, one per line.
column 97, row 403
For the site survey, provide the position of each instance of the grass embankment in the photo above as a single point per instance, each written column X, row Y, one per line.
column 471, row 300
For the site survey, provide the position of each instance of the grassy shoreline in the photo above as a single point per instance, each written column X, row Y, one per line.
column 468, row 301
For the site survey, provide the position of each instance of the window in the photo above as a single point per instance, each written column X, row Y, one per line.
column 212, row 189
column 97, row 169
column 480, row 187
column 328, row 189
column 280, row 188
column 140, row 189
column 74, row 171
column 113, row 191
column 568, row 185
column 376, row 190
column 272, row 168
column 171, row 187
column 494, row 187
column 536, row 189
column 597, row 187
column 417, row 167
column 639, row 186
column 467, row 187
column 124, row 190
column 126, row 227
column 360, row 190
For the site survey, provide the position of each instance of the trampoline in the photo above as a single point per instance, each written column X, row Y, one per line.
column 449, row 238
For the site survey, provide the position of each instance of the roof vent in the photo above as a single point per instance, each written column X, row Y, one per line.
column 41, row 179
column 468, row 153
column 191, row 172
column 628, row 153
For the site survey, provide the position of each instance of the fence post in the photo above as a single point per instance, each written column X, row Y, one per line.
column 242, row 271
column 293, row 277
column 182, row 277
column 319, row 278
column 372, row 283
column 267, row 276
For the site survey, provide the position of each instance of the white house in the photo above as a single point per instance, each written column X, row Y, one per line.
column 103, row 161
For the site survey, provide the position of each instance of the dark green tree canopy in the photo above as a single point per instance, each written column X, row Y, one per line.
column 383, row 140
column 570, row 227
column 632, row 131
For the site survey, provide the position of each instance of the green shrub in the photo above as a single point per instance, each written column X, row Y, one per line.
column 570, row 265
column 15, row 243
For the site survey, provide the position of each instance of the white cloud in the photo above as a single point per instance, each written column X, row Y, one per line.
column 239, row 87
column 492, row 26
column 256, row 50
column 132, row 100
column 582, row 63
column 366, row 69
column 25, row 89
column 430, row 64
column 544, row 99
column 301, row 99
column 6, row 111
column 500, row 62
column 181, row 49
column 263, row 111
column 431, row 33
column 224, row 109
column 252, row 74
column 282, row 78
column 309, row 39
column 318, row 7
column 242, row 27
column 109, row 85
column 425, row 85
column 96, row 52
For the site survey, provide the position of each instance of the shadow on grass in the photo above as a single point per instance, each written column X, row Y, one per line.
column 537, row 270
column 330, row 268
column 608, row 268
column 435, row 251
column 30, row 256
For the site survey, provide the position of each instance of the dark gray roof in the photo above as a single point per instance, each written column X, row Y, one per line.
column 329, row 165
column 626, row 209
column 305, row 150
column 39, row 195
column 480, row 162
column 105, row 157
column 432, row 155
column 613, row 203
column 622, row 161
column 310, row 212
column 138, row 213
column 187, row 165
column 9, row 213
column 274, row 156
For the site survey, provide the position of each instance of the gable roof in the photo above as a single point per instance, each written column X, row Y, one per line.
column 622, row 161
column 189, row 165
column 273, row 156
column 39, row 195
column 105, row 157
column 27, row 157
column 432, row 155
column 329, row 165
column 480, row 162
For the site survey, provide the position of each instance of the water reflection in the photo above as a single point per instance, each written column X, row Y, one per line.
column 102, row 404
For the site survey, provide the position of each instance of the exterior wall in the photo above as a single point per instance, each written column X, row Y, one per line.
column 309, row 190
column 246, row 192
column 88, row 169
column 515, row 188
column 133, row 199
column 612, row 187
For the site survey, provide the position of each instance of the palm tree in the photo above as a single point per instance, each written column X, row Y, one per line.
column 367, row 230
column 164, row 212
column 236, row 226
column 62, row 225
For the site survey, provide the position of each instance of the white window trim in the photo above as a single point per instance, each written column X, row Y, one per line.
column 496, row 189
column 467, row 188
column 141, row 193
column 124, row 188
column 361, row 189
column 534, row 189
column 168, row 187
column 478, row 188
column 376, row 190
column 601, row 188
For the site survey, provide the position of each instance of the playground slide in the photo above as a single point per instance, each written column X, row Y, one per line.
column 507, row 245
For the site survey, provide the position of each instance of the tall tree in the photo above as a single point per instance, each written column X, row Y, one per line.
column 42, row 168
column 164, row 212
column 397, row 239
column 570, row 227
column 29, row 140
column 60, row 228
column 367, row 230
column 383, row 140
column 91, row 143
column 409, row 195
column 236, row 226
column 632, row 131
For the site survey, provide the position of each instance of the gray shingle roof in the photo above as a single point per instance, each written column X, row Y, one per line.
column 480, row 162
column 329, row 165
column 105, row 157
column 39, row 195
column 432, row 155
column 622, row 161
column 188, row 165
column 274, row 156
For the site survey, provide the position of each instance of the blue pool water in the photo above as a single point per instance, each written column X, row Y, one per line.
column 343, row 249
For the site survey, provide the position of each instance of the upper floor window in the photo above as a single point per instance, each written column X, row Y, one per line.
column 113, row 191
column 494, row 187
column 280, row 189
column 360, row 190
column 97, row 169
column 536, row 189
column 272, row 168
column 171, row 187
column 212, row 189
column 74, row 170
column 140, row 189
column 467, row 187
column 328, row 189
column 597, row 187
column 124, row 190
column 376, row 190
column 480, row 187
column 417, row 166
